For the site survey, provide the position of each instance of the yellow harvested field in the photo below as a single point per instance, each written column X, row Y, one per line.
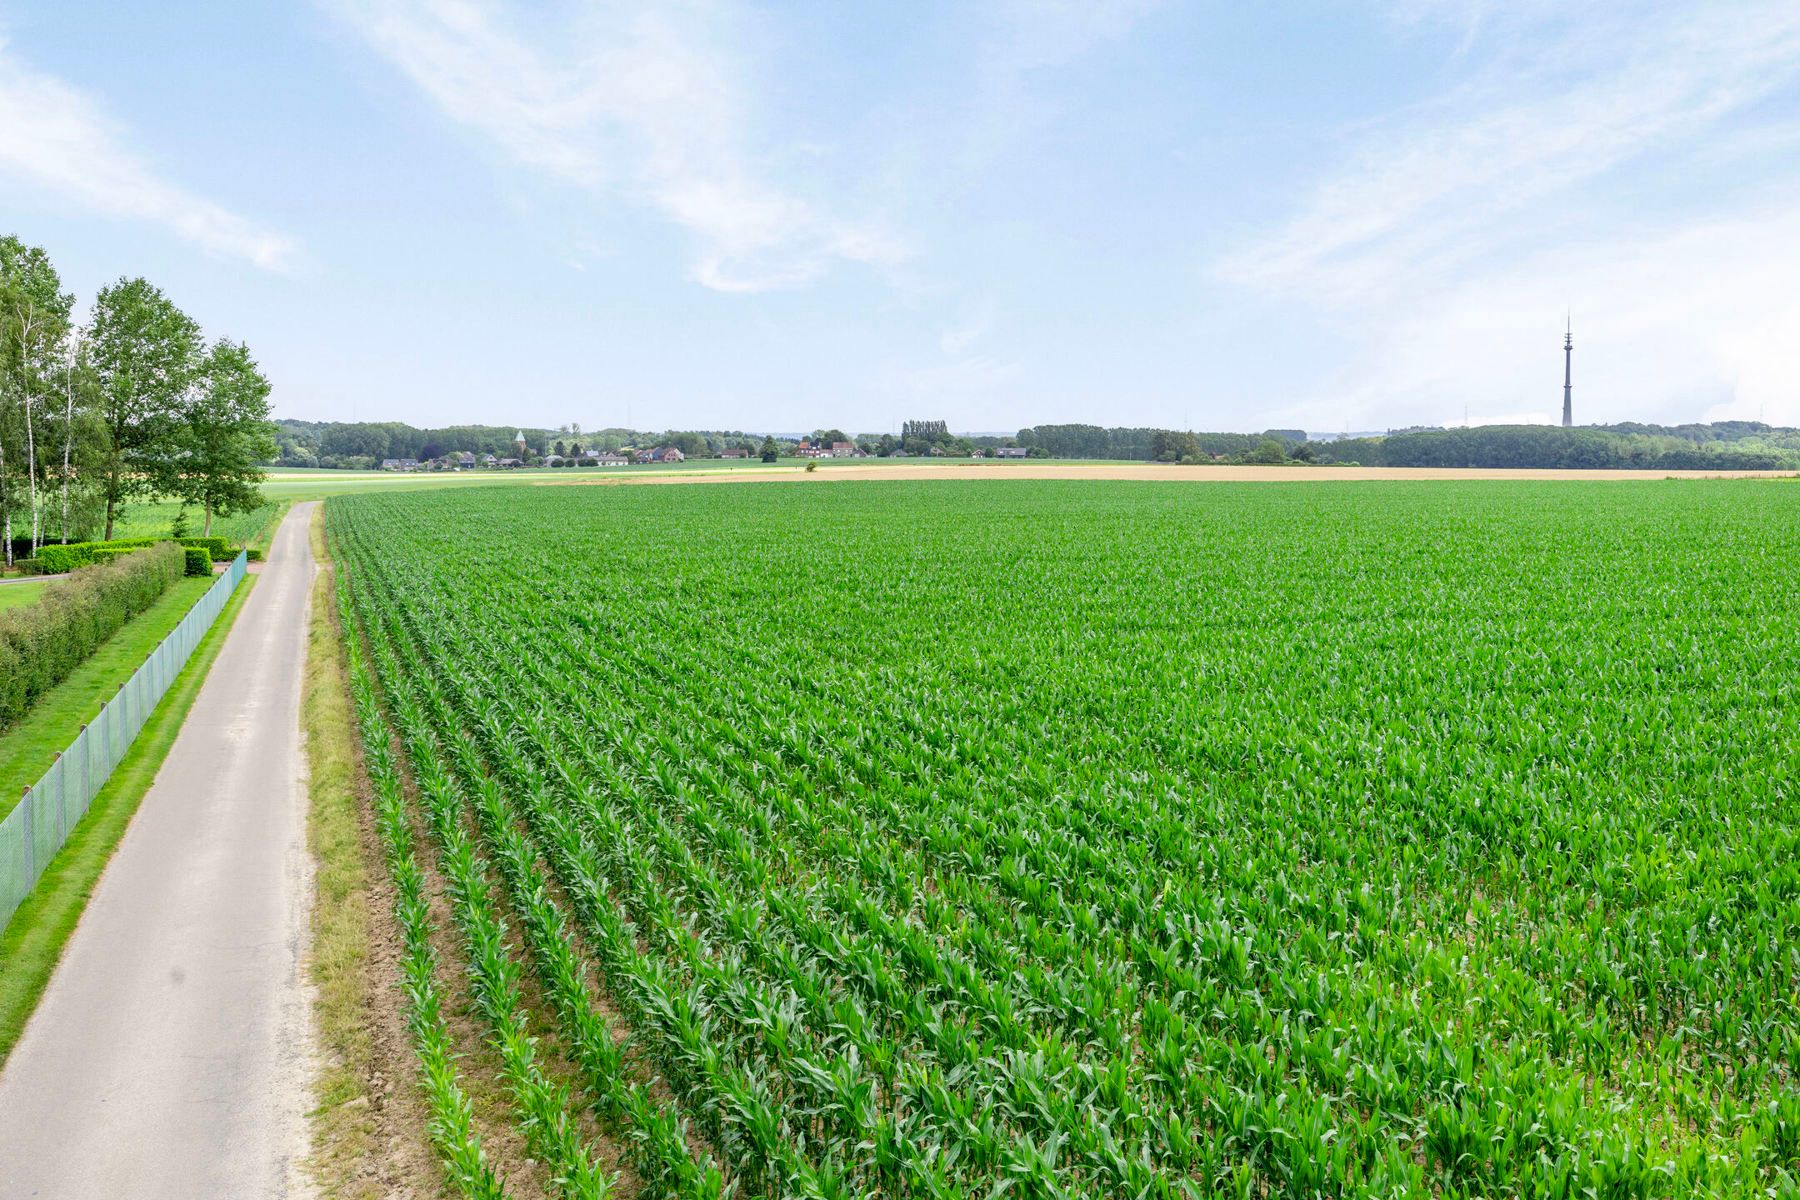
column 1141, row 471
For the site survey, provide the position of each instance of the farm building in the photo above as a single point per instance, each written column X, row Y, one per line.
column 734, row 452
column 1011, row 452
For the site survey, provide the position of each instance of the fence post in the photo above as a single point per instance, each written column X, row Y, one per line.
column 25, row 805
column 81, row 739
column 62, row 798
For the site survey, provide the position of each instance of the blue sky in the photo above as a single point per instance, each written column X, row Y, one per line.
column 785, row 216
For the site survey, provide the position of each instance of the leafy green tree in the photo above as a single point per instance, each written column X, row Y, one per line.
column 1174, row 445
column 146, row 355
column 225, row 434
column 1268, row 452
column 34, row 324
column 78, row 435
column 770, row 451
column 691, row 443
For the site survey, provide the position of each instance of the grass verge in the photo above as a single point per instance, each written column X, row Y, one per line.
column 29, row 748
column 33, row 942
column 15, row 594
column 346, row 1129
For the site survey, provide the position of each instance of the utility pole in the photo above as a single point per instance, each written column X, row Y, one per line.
column 1568, row 378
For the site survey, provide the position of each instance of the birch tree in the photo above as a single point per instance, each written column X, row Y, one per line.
column 34, row 319
column 77, row 388
column 146, row 355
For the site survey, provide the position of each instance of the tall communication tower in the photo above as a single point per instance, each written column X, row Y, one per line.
column 1568, row 379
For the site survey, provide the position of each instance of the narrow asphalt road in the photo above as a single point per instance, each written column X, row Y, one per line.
column 169, row 1056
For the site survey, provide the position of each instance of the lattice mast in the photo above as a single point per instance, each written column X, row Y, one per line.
column 1568, row 377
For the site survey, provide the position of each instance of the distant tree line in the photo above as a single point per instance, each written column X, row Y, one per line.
column 1744, row 446
column 130, row 404
column 1723, row 445
column 1137, row 444
column 364, row 444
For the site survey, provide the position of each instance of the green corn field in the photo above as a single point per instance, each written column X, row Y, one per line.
column 1092, row 839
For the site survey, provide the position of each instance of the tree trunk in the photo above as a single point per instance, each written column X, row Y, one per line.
column 5, row 503
column 207, row 532
column 68, row 446
column 31, row 472
column 28, row 324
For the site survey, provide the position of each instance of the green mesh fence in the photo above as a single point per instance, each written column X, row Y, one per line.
column 34, row 831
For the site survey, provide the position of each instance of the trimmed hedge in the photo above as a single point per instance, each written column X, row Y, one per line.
column 40, row 643
column 54, row 560
column 199, row 562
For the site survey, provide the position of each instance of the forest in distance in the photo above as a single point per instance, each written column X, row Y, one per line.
column 1721, row 445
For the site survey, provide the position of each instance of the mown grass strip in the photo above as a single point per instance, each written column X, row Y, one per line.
column 344, row 1125
column 33, row 942
column 16, row 595
column 29, row 748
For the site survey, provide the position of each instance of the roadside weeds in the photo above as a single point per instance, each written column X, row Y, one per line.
column 367, row 1130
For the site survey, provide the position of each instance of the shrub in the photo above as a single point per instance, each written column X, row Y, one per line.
column 199, row 562
column 217, row 547
column 41, row 643
column 55, row 560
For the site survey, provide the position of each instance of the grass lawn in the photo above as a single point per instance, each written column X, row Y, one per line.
column 13, row 595
column 156, row 518
column 33, row 942
column 28, row 748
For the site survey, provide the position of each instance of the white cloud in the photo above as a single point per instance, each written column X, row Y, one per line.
column 55, row 137
column 1690, row 322
column 645, row 102
column 1451, row 239
column 1431, row 193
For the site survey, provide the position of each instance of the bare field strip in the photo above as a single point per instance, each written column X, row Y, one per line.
column 1158, row 472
